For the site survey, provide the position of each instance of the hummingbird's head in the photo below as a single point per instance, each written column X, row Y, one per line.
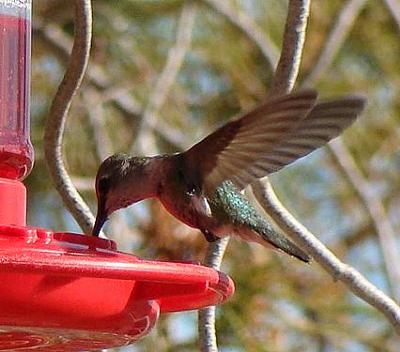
column 117, row 186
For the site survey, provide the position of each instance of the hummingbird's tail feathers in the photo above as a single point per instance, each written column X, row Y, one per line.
column 238, row 217
column 282, row 243
column 270, row 238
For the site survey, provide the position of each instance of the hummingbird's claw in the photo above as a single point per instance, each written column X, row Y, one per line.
column 210, row 237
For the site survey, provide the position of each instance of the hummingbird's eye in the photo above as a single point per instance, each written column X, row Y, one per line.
column 103, row 184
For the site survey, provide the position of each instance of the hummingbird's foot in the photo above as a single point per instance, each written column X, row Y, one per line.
column 210, row 237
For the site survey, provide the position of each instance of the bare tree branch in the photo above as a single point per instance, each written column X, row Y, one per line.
column 353, row 280
column 292, row 47
column 83, row 184
column 125, row 102
column 215, row 252
column 244, row 22
column 265, row 195
column 268, row 200
column 376, row 210
column 60, row 42
column 206, row 324
column 338, row 150
column 95, row 112
column 285, row 76
column 288, row 67
column 283, row 81
column 336, row 38
column 58, row 112
column 145, row 139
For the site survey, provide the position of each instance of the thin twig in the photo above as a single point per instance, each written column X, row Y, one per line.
column 245, row 23
column 339, row 32
column 58, row 112
column 206, row 323
column 145, row 142
column 353, row 280
column 376, row 210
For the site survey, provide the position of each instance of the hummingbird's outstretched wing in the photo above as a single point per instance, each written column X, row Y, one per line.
column 324, row 122
column 238, row 145
column 243, row 154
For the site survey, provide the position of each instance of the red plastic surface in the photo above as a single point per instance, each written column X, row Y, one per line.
column 12, row 202
column 68, row 292
column 16, row 152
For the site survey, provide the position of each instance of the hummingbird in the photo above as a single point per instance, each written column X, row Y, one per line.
column 202, row 186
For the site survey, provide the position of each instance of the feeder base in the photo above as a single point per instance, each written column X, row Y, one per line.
column 69, row 292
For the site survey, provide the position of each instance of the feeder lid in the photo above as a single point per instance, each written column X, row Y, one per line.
column 68, row 292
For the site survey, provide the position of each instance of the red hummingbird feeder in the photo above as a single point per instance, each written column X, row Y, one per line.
column 65, row 291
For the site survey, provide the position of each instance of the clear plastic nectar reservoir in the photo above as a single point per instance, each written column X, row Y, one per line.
column 16, row 152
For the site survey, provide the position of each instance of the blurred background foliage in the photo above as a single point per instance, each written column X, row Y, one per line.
column 280, row 304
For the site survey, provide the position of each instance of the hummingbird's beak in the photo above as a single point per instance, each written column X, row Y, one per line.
column 101, row 218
